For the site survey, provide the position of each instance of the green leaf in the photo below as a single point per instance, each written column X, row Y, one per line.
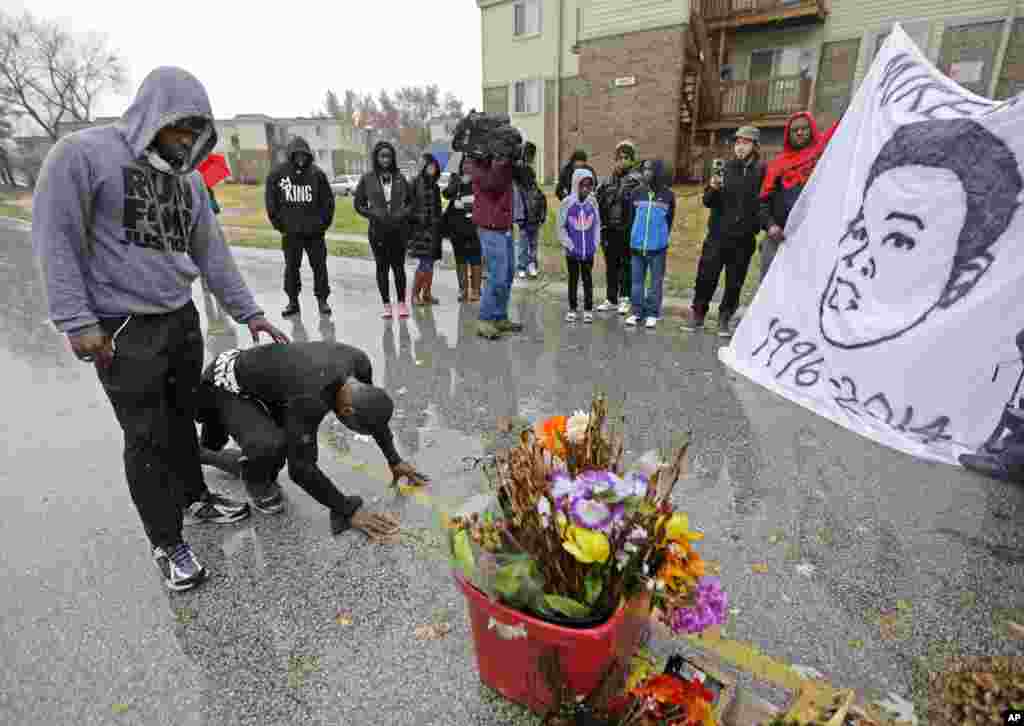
column 507, row 578
column 566, row 606
column 856, row 644
column 593, row 583
column 119, row 708
column 903, row 605
column 464, row 553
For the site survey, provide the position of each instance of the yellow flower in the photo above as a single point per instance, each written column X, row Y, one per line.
column 677, row 529
column 586, row 545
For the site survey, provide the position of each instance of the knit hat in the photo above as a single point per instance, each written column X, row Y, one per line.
column 628, row 147
column 751, row 133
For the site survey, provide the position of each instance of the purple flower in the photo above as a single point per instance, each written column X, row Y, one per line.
column 561, row 486
column 710, row 609
column 591, row 514
column 633, row 484
column 594, row 482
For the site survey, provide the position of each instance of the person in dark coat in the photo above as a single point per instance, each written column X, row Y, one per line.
column 578, row 160
column 613, row 196
column 465, row 241
column 300, row 205
column 384, row 197
column 732, row 197
column 425, row 244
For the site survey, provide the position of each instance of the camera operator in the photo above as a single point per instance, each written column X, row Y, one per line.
column 494, row 148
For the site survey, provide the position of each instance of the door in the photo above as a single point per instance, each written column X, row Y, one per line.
column 762, row 66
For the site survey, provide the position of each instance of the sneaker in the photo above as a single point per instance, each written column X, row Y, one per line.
column 724, row 328
column 325, row 309
column 387, row 311
column 403, row 310
column 632, row 320
column 693, row 324
column 215, row 508
column 651, row 322
column 266, row 497
column 623, row 308
column 570, row 317
column 606, row 306
column 292, row 308
column 588, row 317
column 532, row 271
column 507, row 326
column 521, row 274
column 180, row 568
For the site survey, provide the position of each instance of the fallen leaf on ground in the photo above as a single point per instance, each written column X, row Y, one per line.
column 760, row 568
column 1016, row 630
column 712, row 633
column 888, row 626
column 435, row 631
column 119, row 708
column 985, row 680
column 184, row 615
column 712, row 568
column 903, row 605
column 776, row 537
column 343, row 618
column 856, row 644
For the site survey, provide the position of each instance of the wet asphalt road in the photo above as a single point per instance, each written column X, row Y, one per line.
column 295, row 627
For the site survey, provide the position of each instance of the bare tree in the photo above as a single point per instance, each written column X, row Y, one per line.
column 7, row 118
column 52, row 76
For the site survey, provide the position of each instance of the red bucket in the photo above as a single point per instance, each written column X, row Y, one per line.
column 510, row 643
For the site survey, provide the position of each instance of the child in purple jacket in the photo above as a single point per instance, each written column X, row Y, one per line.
column 579, row 231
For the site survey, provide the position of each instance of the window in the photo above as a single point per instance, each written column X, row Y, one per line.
column 835, row 77
column 526, row 96
column 968, row 54
column 318, row 131
column 526, row 17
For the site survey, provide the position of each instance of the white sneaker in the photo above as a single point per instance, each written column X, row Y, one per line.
column 588, row 317
column 521, row 275
column 651, row 322
column 623, row 308
column 533, row 270
column 605, row 306
column 632, row 320
column 570, row 317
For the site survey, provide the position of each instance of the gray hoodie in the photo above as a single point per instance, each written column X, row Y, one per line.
column 116, row 236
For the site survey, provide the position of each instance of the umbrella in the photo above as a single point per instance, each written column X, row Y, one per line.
column 214, row 169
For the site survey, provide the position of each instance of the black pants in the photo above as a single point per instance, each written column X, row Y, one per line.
column 576, row 268
column 261, row 436
column 316, row 251
column 616, row 258
column 732, row 255
column 390, row 257
column 152, row 386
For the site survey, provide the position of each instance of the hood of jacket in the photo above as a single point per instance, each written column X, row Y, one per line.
column 578, row 176
column 661, row 179
column 298, row 145
column 429, row 159
column 394, row 156
column 787, row 145
column 167, row 96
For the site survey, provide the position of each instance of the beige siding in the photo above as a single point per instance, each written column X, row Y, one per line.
column 602, row 18
column 507, row 57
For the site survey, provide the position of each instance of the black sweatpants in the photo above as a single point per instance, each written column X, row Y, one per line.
column 390, row 258
column 263, row 439
column 576, row 269
column 316, row 251
column 616, row 257
column 152, row 384
column 732, row 255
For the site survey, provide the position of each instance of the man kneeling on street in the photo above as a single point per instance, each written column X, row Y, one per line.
column 271, row 400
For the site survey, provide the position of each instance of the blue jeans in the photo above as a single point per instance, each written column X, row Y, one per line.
column 527, row 247
column 649, row 305
column 499, row 252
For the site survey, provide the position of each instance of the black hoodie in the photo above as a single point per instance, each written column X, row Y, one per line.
column 388, row 221
column 300, row 204
column 426, row 212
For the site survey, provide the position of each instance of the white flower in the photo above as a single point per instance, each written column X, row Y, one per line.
column 576, row 427
column 544, row 509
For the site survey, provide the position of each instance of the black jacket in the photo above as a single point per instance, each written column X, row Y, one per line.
column 388, row 222
column 613, row 198
column 735, row 208
column 459, row 222
column 299, row 204
column 297, row 383
column 426, row 217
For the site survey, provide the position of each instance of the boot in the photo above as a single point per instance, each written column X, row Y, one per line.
column 475, row 275
column 462, row 273
column 417, row 287
column 291, row 309
column 428, row 289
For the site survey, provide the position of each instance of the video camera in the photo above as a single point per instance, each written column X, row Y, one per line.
column 488, row 136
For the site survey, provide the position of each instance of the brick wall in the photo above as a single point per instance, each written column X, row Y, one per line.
column 647, row 113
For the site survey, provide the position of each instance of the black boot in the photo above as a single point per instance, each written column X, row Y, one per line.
column 325, row 309
column 291, row 309
column 990, row 466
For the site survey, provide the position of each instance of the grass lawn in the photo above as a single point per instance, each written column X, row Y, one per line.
column 244, row 215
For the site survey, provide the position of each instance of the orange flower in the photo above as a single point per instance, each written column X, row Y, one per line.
column 669, row 690
column 680, row 572
column 551, row 434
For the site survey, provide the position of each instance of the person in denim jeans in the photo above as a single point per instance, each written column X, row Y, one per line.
column 652, row 210
column 530, row 212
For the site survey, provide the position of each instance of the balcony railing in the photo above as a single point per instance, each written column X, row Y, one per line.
column 747, row 101
column 734, row 13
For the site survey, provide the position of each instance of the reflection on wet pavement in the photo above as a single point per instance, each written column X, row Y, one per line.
column 297, row 627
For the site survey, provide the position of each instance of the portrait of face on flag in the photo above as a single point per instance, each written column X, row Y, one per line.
column 893, row 306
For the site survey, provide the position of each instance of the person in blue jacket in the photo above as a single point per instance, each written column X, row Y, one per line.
column 652, row 210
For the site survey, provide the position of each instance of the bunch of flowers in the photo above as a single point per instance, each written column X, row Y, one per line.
column 573, row 535
column 665, row 700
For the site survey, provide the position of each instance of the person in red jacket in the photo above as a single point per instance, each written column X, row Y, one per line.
column 492, row 214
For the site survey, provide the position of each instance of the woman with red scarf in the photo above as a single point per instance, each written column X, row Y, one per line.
column 785, row 178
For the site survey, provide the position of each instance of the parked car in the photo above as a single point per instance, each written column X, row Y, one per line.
column 343, row 186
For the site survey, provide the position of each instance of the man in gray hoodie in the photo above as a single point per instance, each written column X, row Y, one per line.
column 122, row 228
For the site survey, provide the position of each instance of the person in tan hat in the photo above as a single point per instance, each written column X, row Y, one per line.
column 732, row 197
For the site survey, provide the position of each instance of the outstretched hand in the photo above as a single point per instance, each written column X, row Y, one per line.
column 404, row 470
column 262, row 325
column 382, row 528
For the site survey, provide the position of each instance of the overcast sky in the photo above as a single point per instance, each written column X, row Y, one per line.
column 281, row 59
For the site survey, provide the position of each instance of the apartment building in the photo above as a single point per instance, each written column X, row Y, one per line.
column 679, row 76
